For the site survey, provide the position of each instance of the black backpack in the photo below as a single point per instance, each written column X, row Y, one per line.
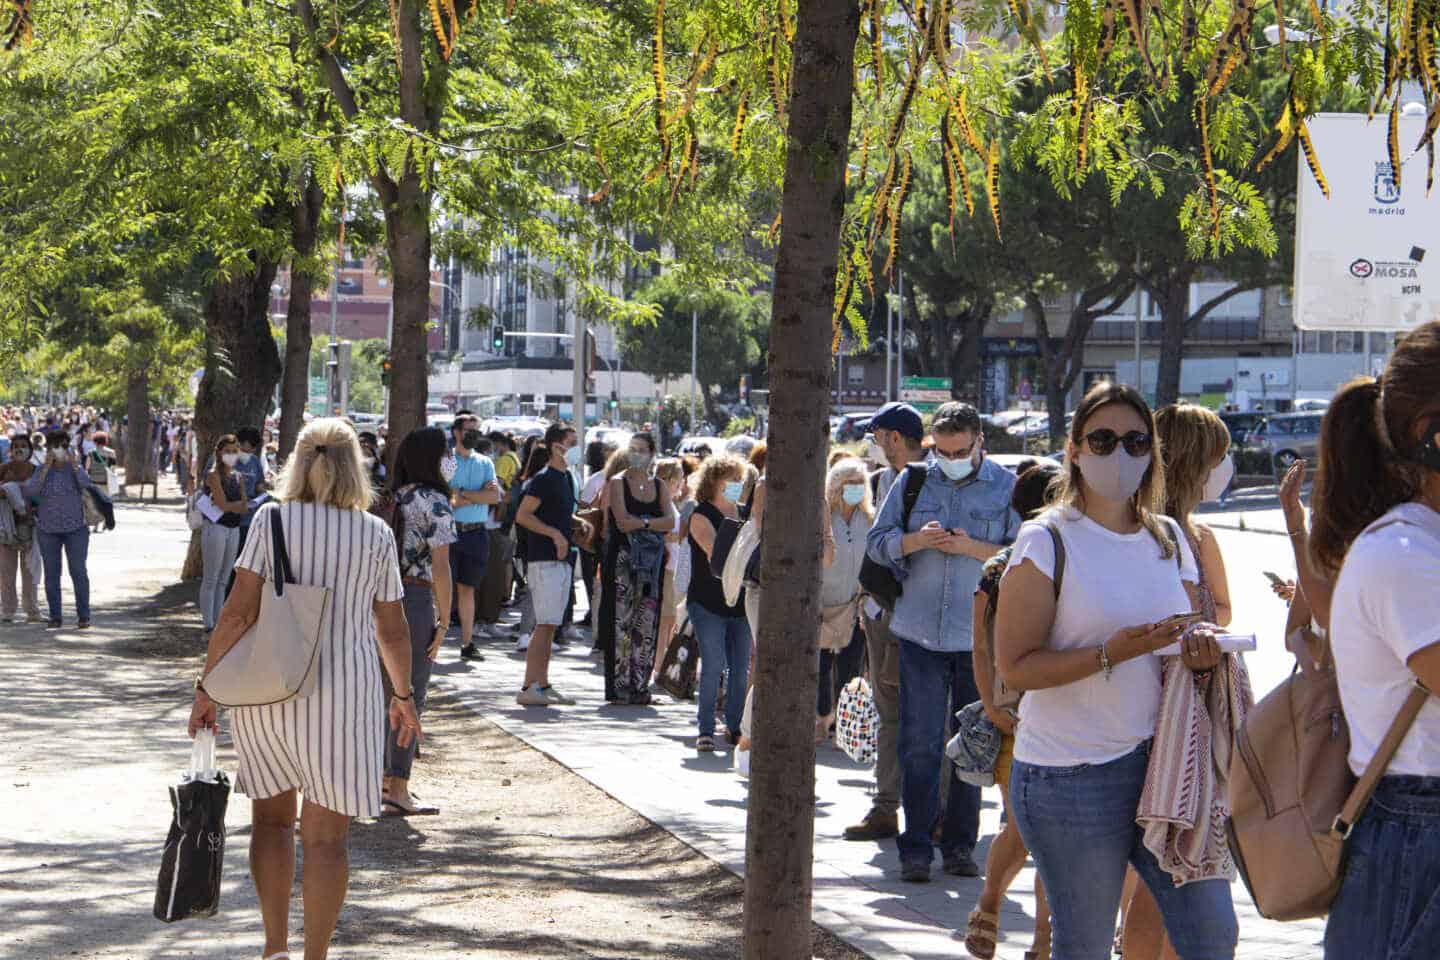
column 877, row 579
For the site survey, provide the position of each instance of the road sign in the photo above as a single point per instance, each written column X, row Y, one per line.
column 319, row 395
column 925, row 393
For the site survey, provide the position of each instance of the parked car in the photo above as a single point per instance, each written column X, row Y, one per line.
column 852, row 427
column 1283, row 438
column 1002, row 421
column 1240, row 425
column 700, row 446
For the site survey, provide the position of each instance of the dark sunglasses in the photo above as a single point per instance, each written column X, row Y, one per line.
column 1102, row 442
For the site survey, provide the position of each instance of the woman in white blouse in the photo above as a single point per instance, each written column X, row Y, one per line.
column 852, row 514
column 1376, row 519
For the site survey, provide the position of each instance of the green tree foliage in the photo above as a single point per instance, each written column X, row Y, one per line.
column 731, row 326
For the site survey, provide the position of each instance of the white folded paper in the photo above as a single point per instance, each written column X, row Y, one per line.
column 1228, row 642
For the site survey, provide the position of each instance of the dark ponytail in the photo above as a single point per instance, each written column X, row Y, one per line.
column 1368, row 447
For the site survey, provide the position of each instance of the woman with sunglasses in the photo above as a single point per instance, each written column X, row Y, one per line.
column 1195, row 448
column 1085, row 655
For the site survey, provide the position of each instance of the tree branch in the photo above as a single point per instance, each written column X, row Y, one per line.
column 1259, row 283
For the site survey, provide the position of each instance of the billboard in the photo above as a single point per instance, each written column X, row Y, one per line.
column 1368, row 257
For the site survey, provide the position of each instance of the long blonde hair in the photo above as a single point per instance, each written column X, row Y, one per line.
column 843, row 472
column 1193, row 439
column 1149, row 500
column 325, row 468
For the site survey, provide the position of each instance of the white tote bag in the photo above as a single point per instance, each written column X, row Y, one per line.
column 275, row 660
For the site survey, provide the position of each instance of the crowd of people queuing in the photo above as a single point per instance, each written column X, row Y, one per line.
column 1029, row 606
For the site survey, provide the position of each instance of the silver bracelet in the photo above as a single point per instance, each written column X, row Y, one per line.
column 1105, row 662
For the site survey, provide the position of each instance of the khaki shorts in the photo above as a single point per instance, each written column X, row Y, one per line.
column 1003, row 760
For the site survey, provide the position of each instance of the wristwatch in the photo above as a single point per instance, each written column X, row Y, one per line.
column 200, row 685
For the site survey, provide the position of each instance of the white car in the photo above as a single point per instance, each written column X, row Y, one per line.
column 1032, row 425
column 520, row 427
column 693, row 445
column 611, row 436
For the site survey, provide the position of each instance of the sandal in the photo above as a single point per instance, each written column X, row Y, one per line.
column 705, row 744
column 981, row 931
column 391, row 808
column 1041, row 949
column 282, row 955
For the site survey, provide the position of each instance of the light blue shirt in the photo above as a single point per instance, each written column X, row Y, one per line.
column 472, row 472
column 934, row 610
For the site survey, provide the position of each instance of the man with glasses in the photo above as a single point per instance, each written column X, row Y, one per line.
column 960, row 519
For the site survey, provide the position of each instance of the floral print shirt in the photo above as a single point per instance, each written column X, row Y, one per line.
column 427, row 522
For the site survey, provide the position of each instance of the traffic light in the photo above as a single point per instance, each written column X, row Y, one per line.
column 386, row 368
column 614, row 400
column 497, row 338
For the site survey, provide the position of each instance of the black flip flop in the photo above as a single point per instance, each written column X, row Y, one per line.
column 389, row 808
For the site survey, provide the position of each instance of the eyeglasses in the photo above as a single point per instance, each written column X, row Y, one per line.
column 1102, row 442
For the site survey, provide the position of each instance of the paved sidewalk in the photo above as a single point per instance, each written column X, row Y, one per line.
column 644, row 757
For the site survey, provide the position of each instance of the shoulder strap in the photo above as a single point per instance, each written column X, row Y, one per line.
column 1059, row 544
column 1360, row 796
column 279, row 556
column 914, row 481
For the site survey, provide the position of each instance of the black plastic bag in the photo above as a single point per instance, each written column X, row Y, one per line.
column 189, row 884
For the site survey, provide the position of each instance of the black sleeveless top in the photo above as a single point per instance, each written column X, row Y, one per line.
column 705, row 588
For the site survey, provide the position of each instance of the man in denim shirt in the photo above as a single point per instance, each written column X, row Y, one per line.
column 961, row 519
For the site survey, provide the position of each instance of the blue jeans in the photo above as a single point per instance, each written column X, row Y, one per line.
column 1079, row 823
column 724, row 645
column 76, row 545
column 933, row 686
column 1389, row 902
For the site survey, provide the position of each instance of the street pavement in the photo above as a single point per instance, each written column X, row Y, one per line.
column 644, row 757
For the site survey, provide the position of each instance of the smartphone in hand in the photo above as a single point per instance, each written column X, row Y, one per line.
column 1274, row 578
column 1187, row 618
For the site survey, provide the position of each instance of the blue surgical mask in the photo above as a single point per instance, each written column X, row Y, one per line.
column 957, row 469
column 733, row 489
column 572, row 456
column 853, row 494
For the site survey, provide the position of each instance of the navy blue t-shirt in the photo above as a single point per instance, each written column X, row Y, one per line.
column 556, row 493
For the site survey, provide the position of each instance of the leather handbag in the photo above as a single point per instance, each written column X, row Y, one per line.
column 590, row 538
column 275, row 660
column 1292, row 796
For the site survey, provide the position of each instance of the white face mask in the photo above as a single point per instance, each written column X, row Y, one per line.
column 1219, row 478
column 60, row 455
column 957, row 469
column 230, row 459
column 1115, row 477
column 572, row 456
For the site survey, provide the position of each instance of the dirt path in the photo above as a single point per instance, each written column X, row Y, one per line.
column 527, row 860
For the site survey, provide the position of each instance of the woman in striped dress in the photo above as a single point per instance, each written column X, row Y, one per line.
column 330, row 745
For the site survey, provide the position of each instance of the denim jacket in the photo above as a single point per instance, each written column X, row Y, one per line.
column 939, row 588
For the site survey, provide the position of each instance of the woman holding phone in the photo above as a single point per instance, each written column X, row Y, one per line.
column 1083, row 652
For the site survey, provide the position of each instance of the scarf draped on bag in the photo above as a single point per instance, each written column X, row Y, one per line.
column 1184, row 805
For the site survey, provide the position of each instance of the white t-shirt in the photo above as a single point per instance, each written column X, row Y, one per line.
column 1386, row 607
column 1111, row 581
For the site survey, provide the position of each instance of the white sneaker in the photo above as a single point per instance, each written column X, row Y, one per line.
column 522, row 642
column 533, row 696
column 556, row 697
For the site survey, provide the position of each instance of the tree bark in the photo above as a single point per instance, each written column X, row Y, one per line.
column 781, row 816
column 242, row 365
column 137, row 433
column 407, row 229
column 1173, row 294
column 295, row 387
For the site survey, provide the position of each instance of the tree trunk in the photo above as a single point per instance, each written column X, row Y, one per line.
column 1174, row 296
column 407, row 231
column 242, row 365
column 137, row 434
column 965, row 354
column 780, row 831
column 295, row 387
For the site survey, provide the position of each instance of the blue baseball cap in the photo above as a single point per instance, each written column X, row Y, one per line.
column 900, row 417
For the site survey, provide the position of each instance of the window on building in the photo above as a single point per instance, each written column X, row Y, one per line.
column 1344, row 342
column 1245, row 304
column 1381, row 343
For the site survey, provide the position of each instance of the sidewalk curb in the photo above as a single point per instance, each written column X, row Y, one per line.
column 1236, row 527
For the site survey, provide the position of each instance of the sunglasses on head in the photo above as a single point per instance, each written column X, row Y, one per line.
column 1102, row 442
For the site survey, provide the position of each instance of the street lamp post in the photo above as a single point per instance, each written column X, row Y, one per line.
column 694, row 354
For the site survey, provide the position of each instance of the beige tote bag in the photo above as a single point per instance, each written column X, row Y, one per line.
column 275, row 660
